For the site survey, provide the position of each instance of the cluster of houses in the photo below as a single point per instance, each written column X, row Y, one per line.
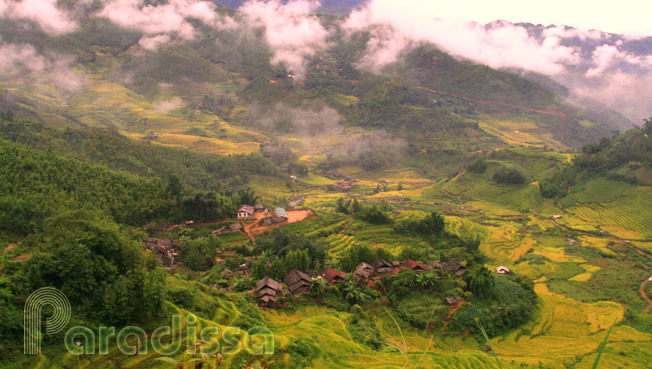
column 166, row 250
column 268, row 291
column 246, row 212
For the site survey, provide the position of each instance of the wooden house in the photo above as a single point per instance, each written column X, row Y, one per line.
column 268, row 291
column 383, row 267
column 455, row 267
column 363, row 271
column 245, row 212
column 298, row 282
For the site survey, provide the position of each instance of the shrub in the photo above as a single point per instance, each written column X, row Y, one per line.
column 509, row 176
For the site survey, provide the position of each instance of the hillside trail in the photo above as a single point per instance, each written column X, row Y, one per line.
column 247, row 231
column 458, row 197
column 475, row 137
column 451, row 310
column 645, row 296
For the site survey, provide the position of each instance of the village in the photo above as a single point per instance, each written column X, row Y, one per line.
column 268, row 292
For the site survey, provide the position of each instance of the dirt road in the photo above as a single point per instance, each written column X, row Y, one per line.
column 645, row 296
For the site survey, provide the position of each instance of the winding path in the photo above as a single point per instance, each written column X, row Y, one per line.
column 645, row 296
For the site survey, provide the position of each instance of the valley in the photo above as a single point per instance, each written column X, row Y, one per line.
column 432, row 213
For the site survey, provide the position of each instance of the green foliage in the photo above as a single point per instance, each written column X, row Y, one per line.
column 371, row 214
column 479, row 166
column 433, row 224
column 363, row 328
column 353, row 256
column 37, row 184
column 284, row 241
column 117, row 152
column 481, row 281
column 559, row 183
column 508, row 176
column 98, row 268
column 355, row 293
column 199, row 254
column 420, row 310
column 511, row 302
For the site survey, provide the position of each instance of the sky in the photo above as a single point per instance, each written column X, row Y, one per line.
column 624, row 16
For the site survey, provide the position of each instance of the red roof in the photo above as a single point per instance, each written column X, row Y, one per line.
column 331, row 275
column 412, row 265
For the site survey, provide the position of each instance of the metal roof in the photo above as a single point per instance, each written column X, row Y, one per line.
column 280, row 212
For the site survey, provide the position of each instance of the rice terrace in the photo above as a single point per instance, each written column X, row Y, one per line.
column 276, row 184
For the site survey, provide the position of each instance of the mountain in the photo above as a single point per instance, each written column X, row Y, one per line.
column 609, row 67
column 339, row 7
column 182, row 166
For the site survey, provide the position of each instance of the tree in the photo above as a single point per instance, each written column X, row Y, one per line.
column 277, row 269
column 199, row 254
column 248, row 196
column 510, row 176
column 478, row 166
column 97, row 267
column 427, row 280
column 481, row 281
column 174, row 186
column 259, row 268
column 647, row 125
column 354, row 293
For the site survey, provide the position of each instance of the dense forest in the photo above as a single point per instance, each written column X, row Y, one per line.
column 109, row 148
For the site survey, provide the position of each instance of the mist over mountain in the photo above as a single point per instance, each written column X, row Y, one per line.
column 614, row 69
column 327, row 6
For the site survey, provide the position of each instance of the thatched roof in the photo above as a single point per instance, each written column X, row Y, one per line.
column 363, row 270
column 268, row 282
column 382, row 263
column 455, row 267
column 295, row 277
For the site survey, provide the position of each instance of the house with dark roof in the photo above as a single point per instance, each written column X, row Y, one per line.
column 259, row 207
column 166, row 250
column 298, row 281
column 383, row 266
column 363, row 271
column 268, row 291
column 332, row 276
column 455, row 267
column 245, row 212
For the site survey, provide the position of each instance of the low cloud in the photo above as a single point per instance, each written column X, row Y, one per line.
column 43, row 12
column 21, row 60
column 291, row 31
column 307, row 122
column 166, row 106
column 170, row 18
column 502, row 45
column 153, row 42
